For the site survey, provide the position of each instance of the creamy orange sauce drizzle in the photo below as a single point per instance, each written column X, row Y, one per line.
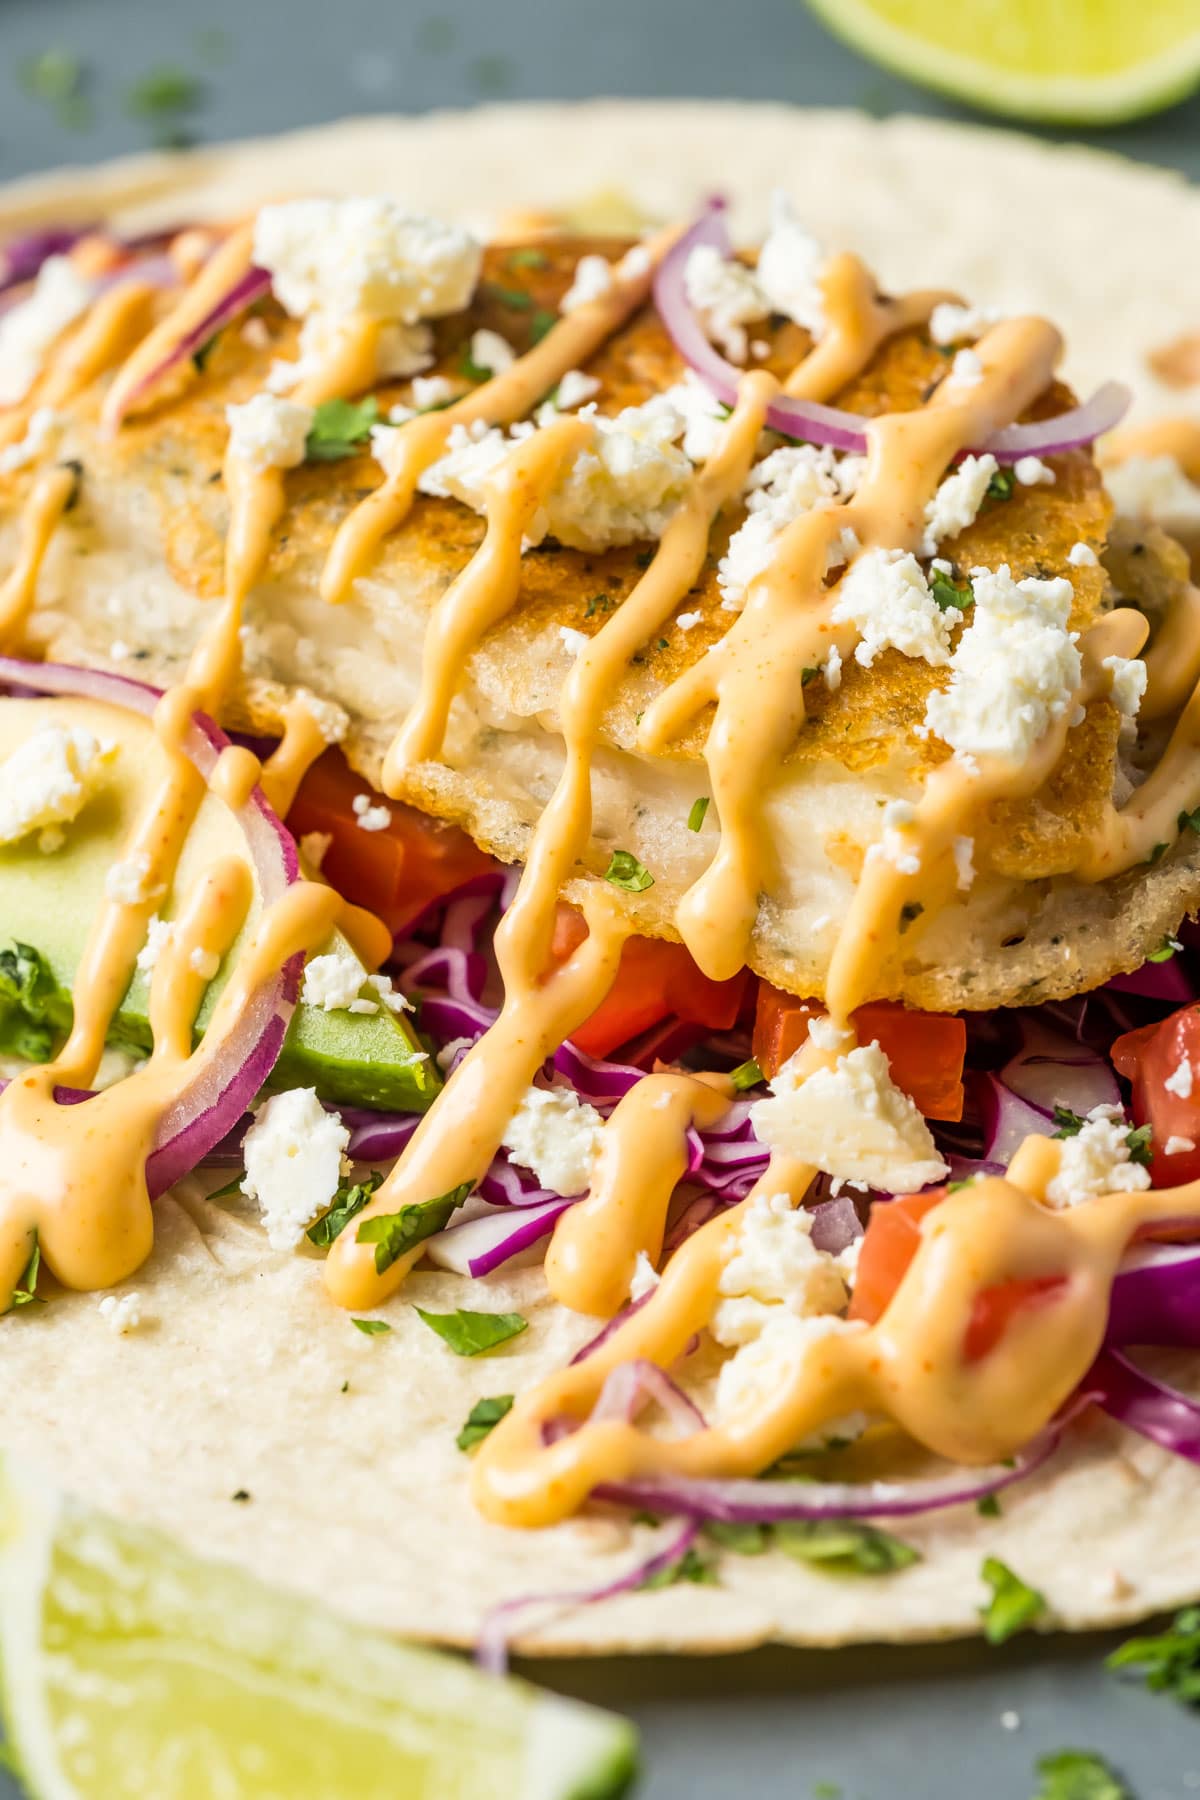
column 294, row 755
column 1178, row 438
column 76, row 1176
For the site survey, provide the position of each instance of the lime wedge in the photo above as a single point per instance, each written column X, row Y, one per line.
column 133, row 1671
column 1064, row 61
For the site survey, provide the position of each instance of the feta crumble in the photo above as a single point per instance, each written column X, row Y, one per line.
column 789, row 267
column 333, row 981
column 429, row 391
column 202, row 962
column 558, row 1136
column 573, row 642
column 885, row 594
column 43, row 427
column 831, row 669
column 727, row 296
column 122, row 1312
column 46, row 781
column 159, row 933
column 293, row 1155
column 1155, row 488
column 894, row 847
column 1127, row 684
column 688, row 621
column 951, row 324
column 1096, row 1161
column 269, row 433
column 1014, row 671
column 365, row 256
column 593, row 279
column 964, row 863
column 967, row 369
column 700, row 410
column 851, row 1121
column 1082, row 556
column 1180, row 1081
column 750, row 1379
column 126, row 881
column 771, row 1262
column 492, row 352
column 791, row 481
column 370, row 815
column 1031, row 471
column 956, row 504
column 1176, row 1145
column 390, row 996
column 29, row 329
column 645, row 1277
column 575, row 389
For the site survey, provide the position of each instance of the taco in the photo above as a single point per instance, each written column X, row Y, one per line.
column 596, row 836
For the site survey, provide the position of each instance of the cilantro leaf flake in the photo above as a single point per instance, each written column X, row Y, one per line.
column 947, row 594
column 1169, row 1662
column 348, row 1201
column 625, row 871
column 483, row 1417
column 371, row 1327
column 1013, row 1605
column 695, row 818
column 691, row 1566
column 1078, row 1775
column 746, row 1075
column 340, row 428
column 34, row 1010
column 845, row 1543
column 25, row 1293
column 394, row 1234
column 473, row 1333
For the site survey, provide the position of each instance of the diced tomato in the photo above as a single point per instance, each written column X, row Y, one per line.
column 656, row 981
column 925, row 1050
column 1149, row 1058
column 892, row 1240
column 395, row 873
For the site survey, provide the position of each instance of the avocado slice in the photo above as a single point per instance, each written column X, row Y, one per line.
column 48, row 901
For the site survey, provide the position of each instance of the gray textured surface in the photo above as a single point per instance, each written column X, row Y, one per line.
column 919, row 1724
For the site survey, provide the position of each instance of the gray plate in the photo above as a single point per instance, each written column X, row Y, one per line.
column 915, row 1724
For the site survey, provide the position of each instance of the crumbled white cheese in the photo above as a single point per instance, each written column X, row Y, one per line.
column 448, row 1052
column 1031, row 471
column 726, row 295
column 293, row 1155
column 1096, row 1161
column 43, row 427
column 1180, row 1080
column 125, row 882
column 791, row 481
column 772, row 1262
column 330, row 719
column 492, row 352
column 701, row 413
column 1014, row 671
column 687, row 621
column 895, row 847
column 885, row 594
column 750, row 1379
column 635, row 263
column 593, row 279
column 123, row 1312
column 645, row 1277
column 574, row 390
column 1082, row 556
column 789, row 268
column 1176, row 1146
column 390, row 996
column 831, row 669
column 203, row 963
column 269, row 433
column 573, row 642
column 28, row 329
column 46, row 781
column 333, row 981
column 951, row 324
column 400, row 351
column 964, row 862
column 119, row 650
column 956, row 504
column 850, row 1120
column 1155, row 488
column 159, row 933
column 967, row 369
column 557, row 1135
column 365, row 256
column 1128, row 684
column 314, row 847
column 434, row 390
column 623, row 485
column 370, row 815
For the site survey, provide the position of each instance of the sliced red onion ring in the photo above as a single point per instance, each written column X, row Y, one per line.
column 631, row 1384
column 1151, row 1408
column 1049, row 1071
column 836, row 1225
column 214, row 1100
column 1156, row 1297
column 485, row 1244
column 1007, row 1119
column 496, row 1632
column 827, row 424
column 240, row 297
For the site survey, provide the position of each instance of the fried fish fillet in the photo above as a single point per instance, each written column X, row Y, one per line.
column 130, row 577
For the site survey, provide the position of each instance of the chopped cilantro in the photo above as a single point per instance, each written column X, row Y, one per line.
column 862, row 1549
column 807, row 675
column 746, row 1075
column 743, row 1540
column 1001, row 486
column 625, row 871
column 470, row 369
column 394, row 1234
column 1078, row 1775
column 1165, row 951
column 56, row 77
column 644, row 558
column 25, row 1293
column 340, row 427
column 541, row 321
column 691, row 1566
column 516, row 299
column 528, row 258
column 601, row 603
column 229, row 1190
column 826, row 1790
column 350, row 1198
column 1158, row 850
column 1170, row 1661
column 695, row 817
column 163, row 97
column 371, row 1327
column 1138, row 1140
column 1191, row 819
column 988, row 1506
column 200, row 357
column 956, row 1187
column 471, row 1333
column 909, row 912
column 1067, row 1123
column 483, row 1417
column 1013, row 1604
column 947, row 593
column 34, row 1010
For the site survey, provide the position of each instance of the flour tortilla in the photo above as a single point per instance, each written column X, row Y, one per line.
column 235, row 1380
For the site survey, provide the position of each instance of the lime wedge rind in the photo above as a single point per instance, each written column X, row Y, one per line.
column 1052, row 97
column 130, row 1670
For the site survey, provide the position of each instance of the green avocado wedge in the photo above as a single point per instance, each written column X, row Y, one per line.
column 48, row 901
